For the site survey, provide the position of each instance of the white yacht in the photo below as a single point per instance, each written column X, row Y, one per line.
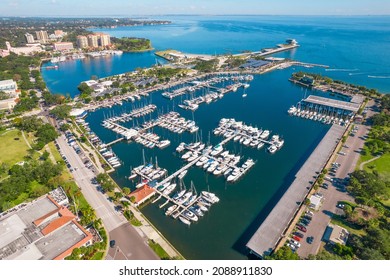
column 272, row 149
column 170, row 209
column 187, row 155
column 184, row 220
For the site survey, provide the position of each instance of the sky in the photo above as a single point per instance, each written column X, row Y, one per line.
column 209, row 7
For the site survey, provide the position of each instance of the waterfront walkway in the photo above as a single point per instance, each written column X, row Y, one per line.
column 273, row 227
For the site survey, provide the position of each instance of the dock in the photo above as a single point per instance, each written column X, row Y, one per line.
column 269, row 51
column 112, row 142
column 272, row 229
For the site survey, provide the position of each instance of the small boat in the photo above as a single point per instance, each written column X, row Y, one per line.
column 184, row 220
column 211, row 196
column 244, row 95
column 190, row 215
column 272, row 149
column 170, row 210
column 182, row 174
column 202, row 207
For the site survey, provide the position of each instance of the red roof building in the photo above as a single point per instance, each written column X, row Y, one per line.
column 142, row 194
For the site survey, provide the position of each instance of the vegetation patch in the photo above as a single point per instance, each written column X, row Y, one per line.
column 158, row 250
column 14, row 139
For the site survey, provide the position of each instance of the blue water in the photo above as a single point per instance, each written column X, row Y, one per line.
column 356, row 47
column 223, row 232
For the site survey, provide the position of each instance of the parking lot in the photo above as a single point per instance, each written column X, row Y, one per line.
column 333, row 192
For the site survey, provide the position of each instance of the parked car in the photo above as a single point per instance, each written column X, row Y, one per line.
column 325, row 185
column 296, row 238
column 291, row 246
column 305, row 222
column 310, row 239
column 298, row 234
column 307, row 217
column 310, row 213
column 301, row 228
column 112, row 243
column 296, row 243
column 340, row 205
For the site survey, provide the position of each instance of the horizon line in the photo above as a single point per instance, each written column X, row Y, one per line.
column 217, row 15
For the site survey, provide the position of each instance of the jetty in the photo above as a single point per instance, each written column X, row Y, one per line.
column 272, row 229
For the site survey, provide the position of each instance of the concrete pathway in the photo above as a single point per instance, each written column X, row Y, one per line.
column 368, row 161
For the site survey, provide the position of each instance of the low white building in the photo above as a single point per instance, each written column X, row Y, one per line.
column 10, row 87
column 316, row 201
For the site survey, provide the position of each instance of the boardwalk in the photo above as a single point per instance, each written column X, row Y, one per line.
column 272, row 229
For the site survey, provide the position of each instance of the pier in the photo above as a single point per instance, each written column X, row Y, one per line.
column 112, row 142
column 175, row 174
column 272, row 229
column 266, row 52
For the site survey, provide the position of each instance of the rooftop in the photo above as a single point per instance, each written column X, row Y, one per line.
column 142, row 193
column 7, row 82
column 272, row 228
column 41, row 229
column 353, row 107
column 338, row 235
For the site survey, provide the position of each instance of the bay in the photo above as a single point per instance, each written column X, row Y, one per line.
column 355, row 48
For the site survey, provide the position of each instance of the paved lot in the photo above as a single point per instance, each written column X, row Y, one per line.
column 334, row 193
column 128, row 248
column 129, row 241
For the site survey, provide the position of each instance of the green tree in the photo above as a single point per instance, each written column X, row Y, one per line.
column 284, row 253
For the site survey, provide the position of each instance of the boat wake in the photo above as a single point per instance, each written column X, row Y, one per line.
column 341, row 70
column 354, row 74
column 379, row 77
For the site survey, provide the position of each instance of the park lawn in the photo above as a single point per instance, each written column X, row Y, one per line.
column 55, row 152
column 382, row 165
column 12, row 151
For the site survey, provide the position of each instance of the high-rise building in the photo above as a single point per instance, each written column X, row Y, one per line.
column 82, row 42
column 93, row 40
column 29, row 38
column 104, row 39
column 42, row 36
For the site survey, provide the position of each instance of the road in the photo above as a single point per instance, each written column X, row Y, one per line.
column 128, row 248
column 129, row 241
column 335, row 193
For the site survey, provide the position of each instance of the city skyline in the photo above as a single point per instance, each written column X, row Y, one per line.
column 200, row 7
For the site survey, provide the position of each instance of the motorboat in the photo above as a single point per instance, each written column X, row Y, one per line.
column 184, row 220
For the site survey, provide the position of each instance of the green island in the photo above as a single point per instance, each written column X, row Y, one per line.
column 127, row 44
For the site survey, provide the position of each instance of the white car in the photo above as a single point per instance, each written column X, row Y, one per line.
column 292, row 246
column 295, row 243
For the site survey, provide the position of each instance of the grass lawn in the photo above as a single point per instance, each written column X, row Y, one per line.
column 382, row 165
column 13, row 147
column 54, row 152
column 158, row 250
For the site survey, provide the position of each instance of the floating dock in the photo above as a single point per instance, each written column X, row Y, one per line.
column 273, row 227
